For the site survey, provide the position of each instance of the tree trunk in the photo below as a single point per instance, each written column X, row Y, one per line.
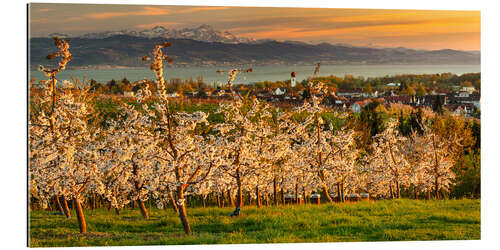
column 297, row 193
column 223, row 199
column 59, row 207
column 66, row 208
column 49, row 206
column 339, row 199
column 93, row 201
column 98, row 201
column 327, row 194
column 392, row 192
column 398, row 190
column 239, row 202
column 218, row 201
column 342, row 196
column 230, row 196
column 143, row 209
column 304, row 194
column 117, row 210
column 203, row 200
column 249, row 198
column 275, row 192
column 172, row 200
column 182, row 210
column 80, row 216
column 436, row 189
column 257, row 193
column 283, row 202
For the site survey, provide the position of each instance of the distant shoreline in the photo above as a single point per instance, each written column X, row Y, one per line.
column 104, row 67
column 269, row 73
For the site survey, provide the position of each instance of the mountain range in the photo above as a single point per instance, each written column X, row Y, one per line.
column 205, row 46
column 204, row 33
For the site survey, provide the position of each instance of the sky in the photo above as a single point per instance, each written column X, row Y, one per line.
column 416, row 29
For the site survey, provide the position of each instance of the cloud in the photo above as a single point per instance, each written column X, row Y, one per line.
column 197, row 9
column 45, row 10
column 329, row 22
column 351, row 27
column 146, row 11
column 42, row 20
column 453, row 40
column 151, row 25
column 302, row 24
column 415, row 31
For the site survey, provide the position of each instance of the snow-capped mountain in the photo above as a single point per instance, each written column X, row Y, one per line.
column 204, row 33
column 60, row 35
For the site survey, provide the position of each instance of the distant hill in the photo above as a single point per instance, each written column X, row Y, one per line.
column 204, row 33
column 127, row 50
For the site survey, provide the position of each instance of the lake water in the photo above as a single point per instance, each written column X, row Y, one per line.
column 261, row 73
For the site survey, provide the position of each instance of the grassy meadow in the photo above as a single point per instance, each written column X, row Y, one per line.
column 388, row 220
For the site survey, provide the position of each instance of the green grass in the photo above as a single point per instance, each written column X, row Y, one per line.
column 363, row 221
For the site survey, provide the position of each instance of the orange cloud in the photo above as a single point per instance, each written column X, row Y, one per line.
column 461, row 29
column 146, row 11
column 366, row 25
column 278, row 33
column 455, row 32
column 151, row 25
column 402, row 15
column 425, row 27
column 44, row 10
column 42, row 20
column 197, row 9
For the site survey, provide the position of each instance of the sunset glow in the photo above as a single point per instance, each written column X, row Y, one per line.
column 418, row 29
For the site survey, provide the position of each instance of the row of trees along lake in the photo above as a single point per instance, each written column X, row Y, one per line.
column 411, row 84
